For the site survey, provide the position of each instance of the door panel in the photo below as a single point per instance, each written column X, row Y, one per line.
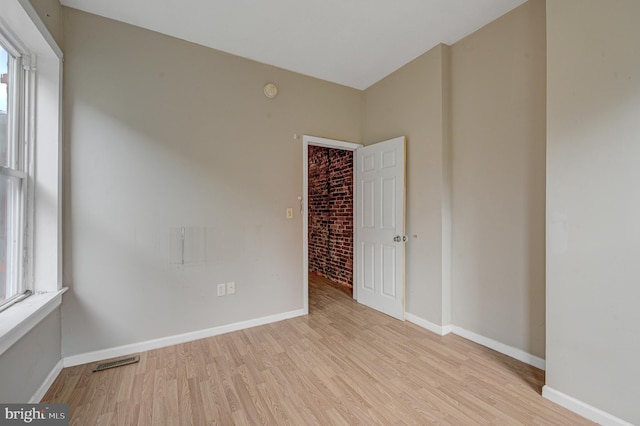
column 380, row 201
column 388, row 271
column 388, row 205
column 368, row 198
column 368, row 162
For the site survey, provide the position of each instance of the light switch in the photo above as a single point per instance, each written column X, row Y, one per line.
column 289, row 213
column 222, row 289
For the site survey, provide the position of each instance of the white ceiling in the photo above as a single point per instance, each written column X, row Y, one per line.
column 351, row 42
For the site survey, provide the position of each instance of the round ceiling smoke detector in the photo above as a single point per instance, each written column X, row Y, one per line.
column 270, row 90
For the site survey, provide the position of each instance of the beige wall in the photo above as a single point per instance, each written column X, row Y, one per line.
column 171, row 123
column 160, row 134
column 593, row 232
column 27, row 363
column 411, row 102
column 498, row 138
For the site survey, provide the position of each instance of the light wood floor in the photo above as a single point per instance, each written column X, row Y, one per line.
column 342, row 364
column 320, row 280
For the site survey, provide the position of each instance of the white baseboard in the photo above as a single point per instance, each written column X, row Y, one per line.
column 118, row 351
column 434, row 328
column 516, row 353
column 44, row 387
column 579, row 407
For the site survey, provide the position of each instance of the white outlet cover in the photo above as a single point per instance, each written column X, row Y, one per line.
column 222, row 289
column 231, row 287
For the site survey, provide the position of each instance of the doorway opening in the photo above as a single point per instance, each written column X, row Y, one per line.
column 328, row 213
column 330, row 203
column 379, row 221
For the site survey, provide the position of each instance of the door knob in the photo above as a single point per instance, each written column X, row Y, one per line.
column 399, row 238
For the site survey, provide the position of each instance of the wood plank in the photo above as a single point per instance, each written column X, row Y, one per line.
column 342, row 364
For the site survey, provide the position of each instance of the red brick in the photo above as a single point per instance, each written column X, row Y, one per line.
column 331, row 213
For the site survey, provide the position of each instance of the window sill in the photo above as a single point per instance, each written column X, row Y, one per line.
column 20, row 318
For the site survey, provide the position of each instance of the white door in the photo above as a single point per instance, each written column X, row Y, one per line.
column 379, row 239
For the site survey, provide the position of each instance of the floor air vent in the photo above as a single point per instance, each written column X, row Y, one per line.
column 117, row 363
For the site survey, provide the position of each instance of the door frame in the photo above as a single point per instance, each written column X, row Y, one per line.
column 304, row 204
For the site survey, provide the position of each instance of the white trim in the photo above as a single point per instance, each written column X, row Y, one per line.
column 579, row 407
column 516, row 353
column 305, row 225
column 25, row 21
column 42, row 28
column 434, row 328
column 354, row 259
column 42, row 390
column 443, row 330
column 73, row 360
column 20, row 318
column 330, row 143
column 327, row 143
column 45, row 183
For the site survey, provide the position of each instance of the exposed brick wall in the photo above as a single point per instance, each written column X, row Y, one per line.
column 318, row 209
column 331, row 214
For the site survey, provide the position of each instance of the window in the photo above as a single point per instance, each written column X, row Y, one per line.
column 14, row 125
column 30, row 178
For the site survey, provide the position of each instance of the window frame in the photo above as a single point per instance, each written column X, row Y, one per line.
column 20, row 144
column 44, row 267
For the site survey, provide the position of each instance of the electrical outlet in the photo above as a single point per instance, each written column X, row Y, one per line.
column 231, row 287
column 222, row 289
